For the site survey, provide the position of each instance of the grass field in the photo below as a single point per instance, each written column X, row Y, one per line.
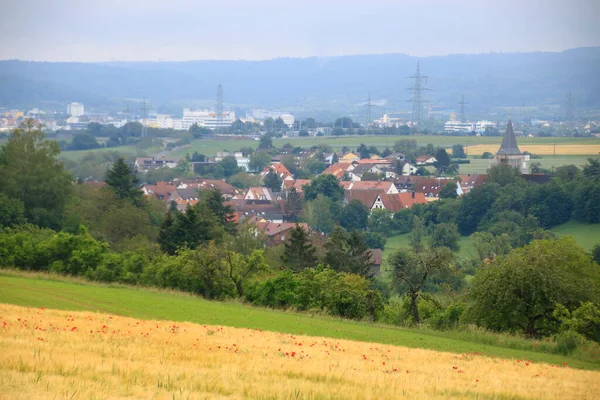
column 51, row 353
column 587, row 235
column 45, row 291
column 125, row 151
column 210, row 147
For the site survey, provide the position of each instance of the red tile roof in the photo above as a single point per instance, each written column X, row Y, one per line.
column 338, row 169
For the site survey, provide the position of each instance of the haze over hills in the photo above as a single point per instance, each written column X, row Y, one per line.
column 489, row 81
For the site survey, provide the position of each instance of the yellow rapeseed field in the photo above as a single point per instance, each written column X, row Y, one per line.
column 83, row 355
column 540, row 149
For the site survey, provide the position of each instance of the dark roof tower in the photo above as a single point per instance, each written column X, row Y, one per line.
column 509, row 146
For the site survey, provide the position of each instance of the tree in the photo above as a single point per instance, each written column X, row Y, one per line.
column 273, row 181
column 417, row 233
column 293, row 206
column 348, row 252
column 354, row 216
column 83, row 141
column 519, row 292
column 230, row 166
column 448, row 191
column 266, row 142
column 258, row 161
column 326, row 185
column 475, row 206
column 31, row 175
column 213, row 201
column 299, row 253
column 269, row 124
column 319, row 214
column 489, row 246
column 335, row 158
column 592, row 169
column 503, row 174
column 596, row 253
column 310, row 123
column 445, row 235
column 240, row 268
column 11, row 212
column 487, row 155
column 363, row 151
column 411, row 269
column 280, row 125
column 458, row 151
column 121, row 179
column 198, row 132
column 442, row 163
column 567, row 173
column 244, row 180
column 344, row 123
column 380, row 221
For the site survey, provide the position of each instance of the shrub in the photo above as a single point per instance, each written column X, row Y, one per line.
column 568, row 341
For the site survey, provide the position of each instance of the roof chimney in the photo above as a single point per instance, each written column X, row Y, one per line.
column 413, row 194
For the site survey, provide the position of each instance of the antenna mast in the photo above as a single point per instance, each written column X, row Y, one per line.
column 219, row 107
column 462, row 103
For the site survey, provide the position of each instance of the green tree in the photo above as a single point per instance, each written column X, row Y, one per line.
column 83, row 141
column 363, row 151
column 475, row 206
column 417, row 234
column 258, row 161
column 596, row 253
column 445, row 235
column 241, row 268
column 592, row 169
column 489, row 246
column 31, row 175
column 519, row 292
column 11, row 211
column 266, row 142
column 230, row 166
column 319, row 213
column 273, row 181
column 121, row 179
column 411, row 269
column 354, row 216
column 326, row 185
column 503, row 174
column 458, row 151
column 310, row 123
column 299, row 253
column 567, row 173
column 293, row 206
column 244, row 180
column 448, row 191
column 348, row 252
column 442, row 163
column 381, row 221
column 198, row 132
column 214, row 203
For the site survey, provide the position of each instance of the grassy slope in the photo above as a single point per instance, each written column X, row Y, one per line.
column 147, row 304
column 587, row 235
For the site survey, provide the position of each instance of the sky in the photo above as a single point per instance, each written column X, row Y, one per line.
column 179, row 30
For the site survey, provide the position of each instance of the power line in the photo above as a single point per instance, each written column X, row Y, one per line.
column 418, row 100
column 462, row 103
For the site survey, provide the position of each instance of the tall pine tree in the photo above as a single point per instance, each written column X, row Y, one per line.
column 299, row 253
column 293, row 206
column 121, row 179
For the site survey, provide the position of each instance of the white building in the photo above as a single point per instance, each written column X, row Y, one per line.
column 458, row 126
column 75, row 109
column 481, row 125
column 206, row 118
column 261, row 114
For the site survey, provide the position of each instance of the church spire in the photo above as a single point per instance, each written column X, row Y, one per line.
column 509, row 145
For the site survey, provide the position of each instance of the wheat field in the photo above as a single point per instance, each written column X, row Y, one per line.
column 541, row 149
column 81, row 355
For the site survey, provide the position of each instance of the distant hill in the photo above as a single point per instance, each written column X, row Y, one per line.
column 335, row 83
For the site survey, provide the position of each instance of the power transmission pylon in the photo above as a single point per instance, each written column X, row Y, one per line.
column 369, row 105
column 418, row 100
column 570, row 116
column 462, row 103
column 219, row 107
column 144, row 115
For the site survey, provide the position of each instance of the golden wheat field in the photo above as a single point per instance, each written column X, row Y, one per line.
column 541, row 149
column 81, row 355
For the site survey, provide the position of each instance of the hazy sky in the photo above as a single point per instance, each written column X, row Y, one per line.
column 101, row 30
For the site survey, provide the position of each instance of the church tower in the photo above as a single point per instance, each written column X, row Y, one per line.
column 509, row 152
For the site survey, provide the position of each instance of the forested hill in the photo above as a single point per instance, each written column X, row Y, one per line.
column 487, row 80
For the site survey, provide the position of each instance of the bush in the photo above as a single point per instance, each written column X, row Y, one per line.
column 568, row 341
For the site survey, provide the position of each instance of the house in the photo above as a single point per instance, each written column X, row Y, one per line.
column 162, row 190
column 374, row 161
column 431, row 187
column 147, row 163
column 297, row 184
column 338, row 170
column 376, row 261
column 409, row 169
column 390, row 172
column 470, row 181
column 263, row 210
column 359, row 170
column 349, row 157
column 378, row 200
column 395, row 156
column 279, row 169
column 228, row 191
column 259, row 193
column 384, row 186
column 425, row 160
column 278, row 232
column 407, row 183
column 184, row 198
